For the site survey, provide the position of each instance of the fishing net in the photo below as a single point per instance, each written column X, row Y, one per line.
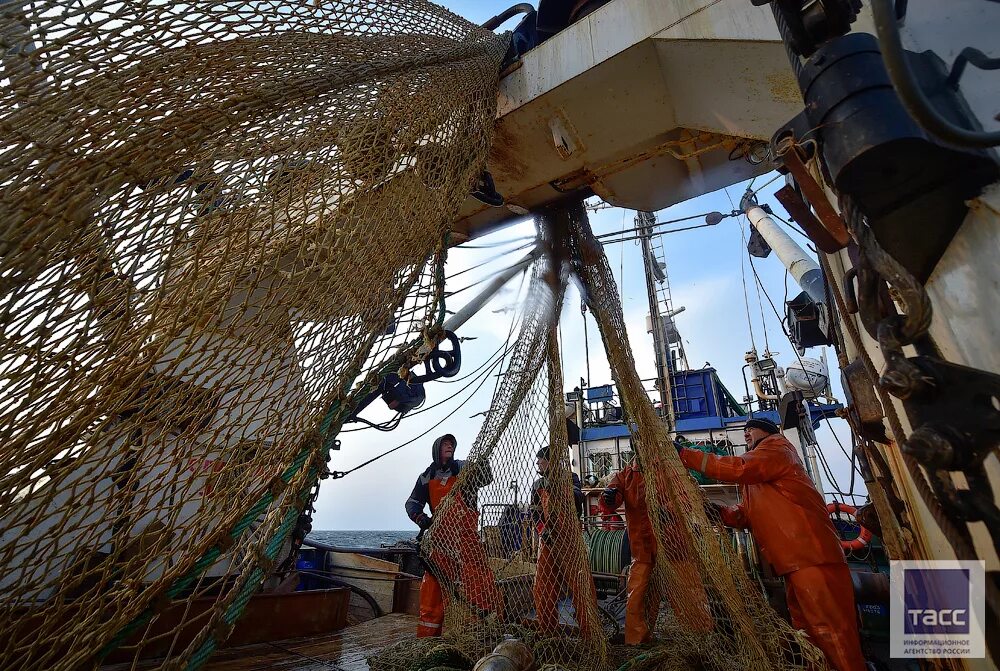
column 513, row 566
column 222, row 222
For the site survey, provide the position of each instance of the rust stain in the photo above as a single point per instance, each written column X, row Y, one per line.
column 783, row 87
column 504, row 157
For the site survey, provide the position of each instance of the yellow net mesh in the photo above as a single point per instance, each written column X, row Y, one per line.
column 526, row 574
column 220, row 222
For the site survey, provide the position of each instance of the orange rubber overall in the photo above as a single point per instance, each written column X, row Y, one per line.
column 686, row 593
column 553, row 575
column 459, row 556
column 790, row 525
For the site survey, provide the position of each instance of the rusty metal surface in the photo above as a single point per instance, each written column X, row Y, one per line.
column 801, row 213
column 833, row 225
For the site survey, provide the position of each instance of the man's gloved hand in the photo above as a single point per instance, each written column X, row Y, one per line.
column 609, row 497
column 546, row 537
column 423, row 521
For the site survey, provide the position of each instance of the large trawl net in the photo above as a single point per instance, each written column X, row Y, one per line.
column 515, row 563
column 220, row 223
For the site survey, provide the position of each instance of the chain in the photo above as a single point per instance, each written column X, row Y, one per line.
column 952, row 409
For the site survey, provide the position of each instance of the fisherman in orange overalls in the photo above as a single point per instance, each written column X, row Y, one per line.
column 556, row 529
column 458, row 555
column 686, row 593
column 788, row 519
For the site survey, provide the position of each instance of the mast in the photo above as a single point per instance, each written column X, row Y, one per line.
column 644, row 222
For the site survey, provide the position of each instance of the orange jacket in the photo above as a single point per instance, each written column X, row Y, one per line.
column 781, row 506
column 629, row 486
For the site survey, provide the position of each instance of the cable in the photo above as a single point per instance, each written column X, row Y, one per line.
column 822, row 458
column 621, row 269
column 829, row 475
column 743, row 277
column 792, row 226
column 473, row 373
column 389, row 425
column 659, row 223
column 743, row 272
column 490, row 361
column 916, row 103
column 495, row 244
column 765, row 184
column 854, row 459
column 763, row 323
column 416, row 438
column 659, row 233
column 850, row 456
column 485, row 278
column 491, row 260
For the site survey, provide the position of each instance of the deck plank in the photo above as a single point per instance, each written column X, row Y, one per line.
column 346, row 650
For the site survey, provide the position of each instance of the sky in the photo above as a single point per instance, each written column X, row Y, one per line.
column 707, row 269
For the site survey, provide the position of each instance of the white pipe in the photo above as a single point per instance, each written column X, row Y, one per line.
column 799, row 264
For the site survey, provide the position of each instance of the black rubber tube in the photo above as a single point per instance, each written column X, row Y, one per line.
column 499, row 19
column 377, row 609
column 319, row 545
column 920, row 108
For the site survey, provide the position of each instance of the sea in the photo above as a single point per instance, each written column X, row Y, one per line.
column 362, row 539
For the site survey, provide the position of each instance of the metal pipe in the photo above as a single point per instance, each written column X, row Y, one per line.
column 458, row 319
column 799, row 264
column 761, row 394
column 510, row 12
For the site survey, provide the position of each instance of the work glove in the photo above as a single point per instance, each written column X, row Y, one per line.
column 546, row 537
column 609, row 496
column 423, row 521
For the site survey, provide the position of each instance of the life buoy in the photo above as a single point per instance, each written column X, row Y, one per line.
column 864, row 537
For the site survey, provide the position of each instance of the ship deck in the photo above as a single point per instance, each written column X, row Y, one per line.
column 345, row 650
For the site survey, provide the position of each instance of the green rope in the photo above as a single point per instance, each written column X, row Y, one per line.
column 334, row 416
column 250, row 586
column 209, row 558
column 645, row 660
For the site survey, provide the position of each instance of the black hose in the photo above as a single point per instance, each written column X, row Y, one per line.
column 377, row 609
column 974, row 56
column 790, row 43
column 499, row 19
column 913, row 98
column 319, row 545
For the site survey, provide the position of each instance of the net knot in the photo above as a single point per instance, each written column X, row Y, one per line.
column 277, row 486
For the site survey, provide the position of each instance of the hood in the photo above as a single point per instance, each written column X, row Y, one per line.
column 436, row 448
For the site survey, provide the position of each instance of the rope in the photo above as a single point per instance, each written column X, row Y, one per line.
column 329, row 427
column 743, row 274
column 432, row 428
